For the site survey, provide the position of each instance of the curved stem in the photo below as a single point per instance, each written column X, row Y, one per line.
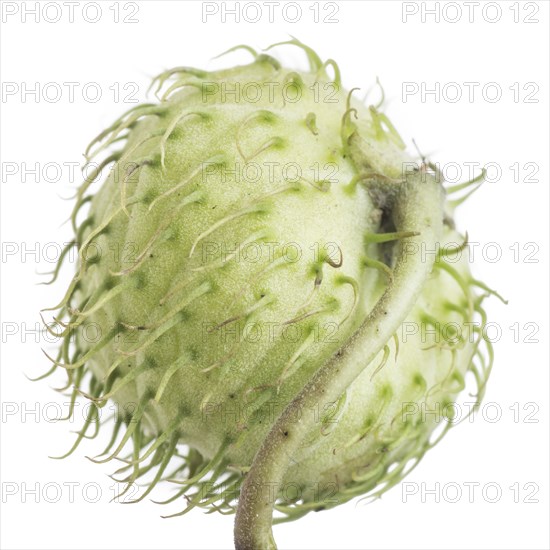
column 418, row 206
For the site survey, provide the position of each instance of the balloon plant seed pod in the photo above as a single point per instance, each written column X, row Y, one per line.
column 276, row 291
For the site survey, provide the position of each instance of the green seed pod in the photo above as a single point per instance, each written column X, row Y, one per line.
column 269, row 275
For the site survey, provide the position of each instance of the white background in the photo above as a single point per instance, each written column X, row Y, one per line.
column 369, row 39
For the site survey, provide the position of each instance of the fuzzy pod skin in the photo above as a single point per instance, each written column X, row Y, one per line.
column 269, row 285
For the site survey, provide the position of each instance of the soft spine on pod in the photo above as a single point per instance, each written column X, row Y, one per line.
column 138, row 360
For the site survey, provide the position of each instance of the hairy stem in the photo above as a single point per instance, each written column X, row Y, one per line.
column 417, row 207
